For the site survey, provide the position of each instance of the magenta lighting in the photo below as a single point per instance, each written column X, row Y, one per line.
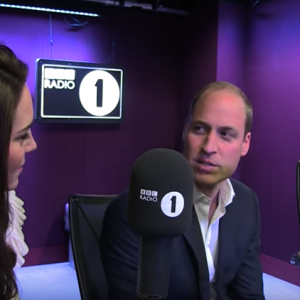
column 51, row 10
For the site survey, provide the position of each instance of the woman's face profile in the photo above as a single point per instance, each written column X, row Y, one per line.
column 21, row 141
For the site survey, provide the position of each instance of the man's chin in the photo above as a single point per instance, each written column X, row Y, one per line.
column 208, row 181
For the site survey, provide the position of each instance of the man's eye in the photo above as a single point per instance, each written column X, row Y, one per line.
column 227, row 135
column 199, row 129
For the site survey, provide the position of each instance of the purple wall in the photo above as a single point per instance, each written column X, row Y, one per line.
column 231, row 49
column 165, row 66
column 90, row 159
column 197, row 58
column 272, row 73
column 231, row 43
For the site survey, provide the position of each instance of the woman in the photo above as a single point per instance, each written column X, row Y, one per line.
column 16, row 115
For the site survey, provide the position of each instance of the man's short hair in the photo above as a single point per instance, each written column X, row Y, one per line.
column 218, row 86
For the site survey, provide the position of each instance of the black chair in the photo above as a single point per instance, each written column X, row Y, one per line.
column 86, row 213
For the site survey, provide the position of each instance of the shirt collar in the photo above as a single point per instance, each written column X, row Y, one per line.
column 226, row 194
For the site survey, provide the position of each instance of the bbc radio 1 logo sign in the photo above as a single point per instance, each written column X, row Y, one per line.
column 172, row 203
column 78, row 91
column 148, row 195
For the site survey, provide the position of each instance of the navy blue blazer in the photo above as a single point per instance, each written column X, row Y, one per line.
column 238, row 271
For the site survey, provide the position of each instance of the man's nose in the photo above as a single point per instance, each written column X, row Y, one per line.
column 210, row 143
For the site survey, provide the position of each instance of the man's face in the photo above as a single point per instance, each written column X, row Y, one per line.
column 214, row 140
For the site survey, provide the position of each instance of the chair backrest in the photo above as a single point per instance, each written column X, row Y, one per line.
column 86, row 213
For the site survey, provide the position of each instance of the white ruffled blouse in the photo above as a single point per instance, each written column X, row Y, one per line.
column 14, row 235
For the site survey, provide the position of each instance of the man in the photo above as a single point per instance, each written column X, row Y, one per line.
column 218, row 256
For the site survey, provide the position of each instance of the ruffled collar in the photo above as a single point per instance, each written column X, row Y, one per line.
column 14, row 235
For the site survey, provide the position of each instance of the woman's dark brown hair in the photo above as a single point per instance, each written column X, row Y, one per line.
column 13, row 75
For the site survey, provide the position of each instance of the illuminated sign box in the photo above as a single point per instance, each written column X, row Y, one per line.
column 78, row 92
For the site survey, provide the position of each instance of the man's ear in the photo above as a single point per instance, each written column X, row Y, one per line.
column 246, row 144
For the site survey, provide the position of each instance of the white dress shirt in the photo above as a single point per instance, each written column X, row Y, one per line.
column 210, row 231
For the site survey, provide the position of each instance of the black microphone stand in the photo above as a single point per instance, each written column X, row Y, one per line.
column 154, row 268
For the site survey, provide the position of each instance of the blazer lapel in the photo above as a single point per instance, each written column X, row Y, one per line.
column 227, row 246
column 193, row 237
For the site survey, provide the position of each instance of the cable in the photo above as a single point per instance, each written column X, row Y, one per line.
column 76, row 23
column 112, row 56
column 51, row 36
column 254, row 2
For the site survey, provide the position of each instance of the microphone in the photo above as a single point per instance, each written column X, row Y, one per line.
column 159, row 209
